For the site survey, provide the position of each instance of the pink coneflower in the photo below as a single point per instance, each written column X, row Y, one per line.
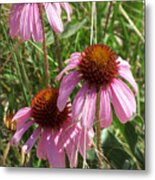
column 101, row 71
column 24, row 19
column 56, row 131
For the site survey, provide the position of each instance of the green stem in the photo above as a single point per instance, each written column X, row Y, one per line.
column 58, row 51
column 46, row 65
column 98, row 132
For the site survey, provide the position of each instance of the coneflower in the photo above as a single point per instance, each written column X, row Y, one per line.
column 56, row 131
column 101, row 71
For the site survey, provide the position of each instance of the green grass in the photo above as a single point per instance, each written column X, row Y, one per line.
column 22, row 75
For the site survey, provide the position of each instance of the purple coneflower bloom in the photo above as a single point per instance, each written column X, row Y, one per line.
column 56, row 131
column 24, row 19
column 100, row 70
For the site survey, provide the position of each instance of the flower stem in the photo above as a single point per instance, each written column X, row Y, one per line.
column 58, row 50
column 102, row 160
column 46, row 65
column 98, row 132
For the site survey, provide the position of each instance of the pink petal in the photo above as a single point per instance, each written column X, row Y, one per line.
column 25, row 22
column 88, row 113
column 125, row 72
column 20, row 132
column 78, row 102
column 14, row 19
column 83, row 142
column 66, row 87
column 37, row 32
column 57, row 8
column 41, row 149
column 23, row 114
column 123, row 100
column 105, row 109
column 71, row 150
column 56, row 157
column 53, row 18
column 73, row 63
column 68, row 9
column 30, row 142
column 68, row 67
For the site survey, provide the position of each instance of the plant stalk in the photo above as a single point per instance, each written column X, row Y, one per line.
column 58, row 51
column 46, row 65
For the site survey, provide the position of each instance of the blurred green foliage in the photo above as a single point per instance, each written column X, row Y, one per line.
column 22, row 75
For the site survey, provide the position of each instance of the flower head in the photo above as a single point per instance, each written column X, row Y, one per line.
column 101, row 71
column 56, row 131
column 24, row 19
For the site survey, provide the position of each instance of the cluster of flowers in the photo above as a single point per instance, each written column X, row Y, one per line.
column 66, row 128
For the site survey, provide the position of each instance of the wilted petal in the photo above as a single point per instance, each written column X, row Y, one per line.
column 72, row 154
column 57, row 8
column 125, row 72
column 78, row 102
column 37, row 32
column 55, row 156
column 20, row 132
column 14, row 19
column 105, row 109
column 30, row 142
column 25, row 22
column 41, row 149
column 23, row 114
column 67, row 85
column 123, row 100
column 88, row 112
column 53, row 18
column 68, row 9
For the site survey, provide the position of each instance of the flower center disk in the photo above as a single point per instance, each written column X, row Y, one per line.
column 45, row 111
column 98, row 65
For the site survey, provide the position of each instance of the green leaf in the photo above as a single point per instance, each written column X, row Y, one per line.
column 71, row 29
column 113, row 150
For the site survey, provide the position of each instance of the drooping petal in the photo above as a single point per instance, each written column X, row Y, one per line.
column 37, row 33
column 25, row 22
column 72, row 63
column 55, row 156
column 20, row 132
column 88, row 112
column 125, row 72
column 72, row 153
column 23, row 114
column 57, row 8
column 67, row 85
column 83, row 141
column 30, row 142
column 79, row 100
column 123, row 100
column 41, row 149
column 105, row 113
column 53, row 17
column 68, row 10
column 14, row 19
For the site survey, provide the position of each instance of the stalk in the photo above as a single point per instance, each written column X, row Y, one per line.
column 58, row 51
column 46, row 65
column 98, row 132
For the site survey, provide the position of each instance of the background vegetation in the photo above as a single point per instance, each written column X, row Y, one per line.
column 22, row 76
